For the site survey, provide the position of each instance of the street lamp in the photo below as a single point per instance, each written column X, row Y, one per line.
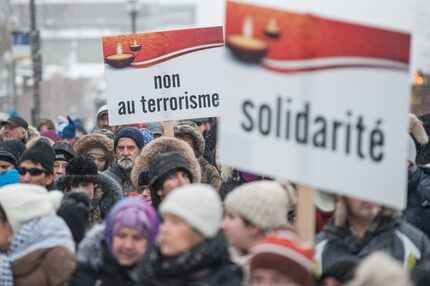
column 133, row 8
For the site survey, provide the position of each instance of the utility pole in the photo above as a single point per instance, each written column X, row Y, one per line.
column 36, row 57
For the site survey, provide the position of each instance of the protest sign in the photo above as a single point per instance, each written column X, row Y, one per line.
column 161, row 76
column 317, row 99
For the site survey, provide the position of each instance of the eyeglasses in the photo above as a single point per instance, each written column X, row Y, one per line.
column 33, row 171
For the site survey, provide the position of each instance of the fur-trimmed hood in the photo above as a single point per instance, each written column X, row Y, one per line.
column 90, row 250
column 162, row 145
column 185, row 129
column 95, row 140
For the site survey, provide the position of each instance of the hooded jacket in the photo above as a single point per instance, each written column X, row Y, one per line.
column 110, row 192
column 401, row 240
column 95, row 140
column 209, row 172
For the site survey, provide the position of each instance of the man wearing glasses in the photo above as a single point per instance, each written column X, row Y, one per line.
column 36, row 165
column 127, row 145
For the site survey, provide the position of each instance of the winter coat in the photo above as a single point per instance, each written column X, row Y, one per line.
column 120, row 176
column 96, row 265
column 205, row 265
column 417, row 211
column 106, row 195
column 395, row 236
column 162, row 145
column 42, row 253
column 94, row 140
column 210, row 174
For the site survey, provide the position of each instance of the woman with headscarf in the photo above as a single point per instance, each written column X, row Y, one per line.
column 111, row 251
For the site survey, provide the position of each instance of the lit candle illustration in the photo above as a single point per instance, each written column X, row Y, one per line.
column 245, row 46
column 135, row 46
column 272, row 30
column 120, row 59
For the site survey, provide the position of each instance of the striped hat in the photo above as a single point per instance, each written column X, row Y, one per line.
column 285, row 252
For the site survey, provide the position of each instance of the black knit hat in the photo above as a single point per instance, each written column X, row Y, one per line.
column 341, row 269
column 80, row 169
column 63, row 151
column 11, row 150
column 163, row 165
column 42, row 153
column 75, row 209
column 132, row 133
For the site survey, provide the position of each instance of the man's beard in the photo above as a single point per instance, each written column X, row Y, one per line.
column 125, row 163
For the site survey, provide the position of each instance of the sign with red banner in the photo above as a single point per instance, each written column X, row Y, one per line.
column 159, row 76
column 318, row 100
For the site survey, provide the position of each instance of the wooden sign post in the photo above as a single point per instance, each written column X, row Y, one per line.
column 305, row 213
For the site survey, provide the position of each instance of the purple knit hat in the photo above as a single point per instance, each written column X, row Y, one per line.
column 134, row 213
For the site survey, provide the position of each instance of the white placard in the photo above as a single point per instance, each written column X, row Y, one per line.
column 163, row 76
column 315, row 100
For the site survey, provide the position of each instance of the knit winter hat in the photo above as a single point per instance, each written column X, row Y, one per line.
column 284, row 252
column 132, row 133
column 104, row 132
column 147, row 135
column 69, row 131
column 341, row 269
column 51, row 134
column 11, row 150
column 42, row 153
column 163, row 165
column 63, row 151
column 24, row 202
column 134, row 213
column 263, row 203
column 197, row 204
column 102, row 109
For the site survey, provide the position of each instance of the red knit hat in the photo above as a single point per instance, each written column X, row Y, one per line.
column 285, row 252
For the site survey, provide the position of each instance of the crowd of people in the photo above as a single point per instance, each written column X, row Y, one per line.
column 127, row 205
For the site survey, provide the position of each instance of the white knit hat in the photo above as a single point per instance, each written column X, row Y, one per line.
column 263, row 203
column 197, row 204
column 24, row 202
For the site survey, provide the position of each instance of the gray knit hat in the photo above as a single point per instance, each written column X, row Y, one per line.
column 263, row 203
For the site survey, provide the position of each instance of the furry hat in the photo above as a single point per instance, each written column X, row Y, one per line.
column 104, row 132
column 42, row 153
column 95, row 140
column 380, row 269
column 24, row 202
column 80, row 169
column 183, row 129
column 284, row 252
column 263, row 203
column 416, row 129
column 162, row 145
column 197, row 204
